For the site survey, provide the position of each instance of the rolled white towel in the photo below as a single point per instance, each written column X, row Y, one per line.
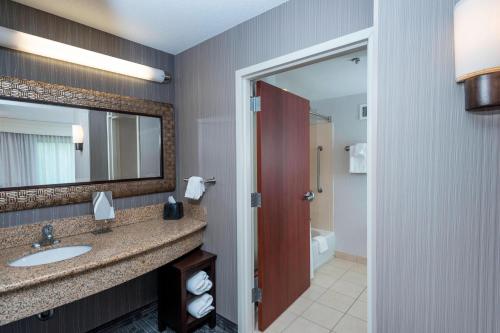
column 201, row 306
column 198, row 283
column 207, row 285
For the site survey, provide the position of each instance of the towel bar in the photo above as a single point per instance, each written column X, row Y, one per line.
column 206, row 181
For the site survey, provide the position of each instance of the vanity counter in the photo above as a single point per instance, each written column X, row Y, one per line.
column 116, row 257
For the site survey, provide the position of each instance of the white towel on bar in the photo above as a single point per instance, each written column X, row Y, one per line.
column 357, row 158
column 322, row 243
column 201, row 306
column 195, row 188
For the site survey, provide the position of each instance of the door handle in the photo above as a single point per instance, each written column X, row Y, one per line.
column 309, row 196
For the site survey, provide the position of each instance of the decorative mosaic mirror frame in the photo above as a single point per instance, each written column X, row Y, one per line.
column 54, row 195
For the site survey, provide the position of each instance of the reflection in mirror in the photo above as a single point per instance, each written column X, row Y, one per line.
column 43, row 144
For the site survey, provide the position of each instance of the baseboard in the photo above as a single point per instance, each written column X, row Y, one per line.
column 226, row 324
column 350, row 257
column 113, row 326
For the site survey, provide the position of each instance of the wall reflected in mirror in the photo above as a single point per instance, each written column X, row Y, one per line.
column 44, row 144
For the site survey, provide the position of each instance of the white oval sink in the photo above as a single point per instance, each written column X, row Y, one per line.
column 50, row 256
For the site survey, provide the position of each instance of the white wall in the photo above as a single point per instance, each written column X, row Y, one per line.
column 349, row 189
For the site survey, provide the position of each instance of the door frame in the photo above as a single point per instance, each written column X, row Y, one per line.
column 246, row 167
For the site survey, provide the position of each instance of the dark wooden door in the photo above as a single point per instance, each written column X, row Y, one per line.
column 283, row 219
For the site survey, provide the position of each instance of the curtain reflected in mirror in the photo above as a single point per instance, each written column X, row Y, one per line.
column 43, row 144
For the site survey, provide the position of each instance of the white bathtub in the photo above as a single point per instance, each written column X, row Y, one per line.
column 318, row 259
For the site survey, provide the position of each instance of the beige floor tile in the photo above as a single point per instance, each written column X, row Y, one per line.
column 330, row 269
column 282, row 322
column 349, row 324
column 322, row 315
column 359, row 310
column 347, row 288
column 341, row 263
column 323, row 280
column 359, row 268
column 336, row 300
column 355, row 278
column 302, row 325
column 314, row 292
column 364, row 296
column 300, row 305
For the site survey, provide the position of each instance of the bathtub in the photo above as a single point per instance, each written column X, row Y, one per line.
column 318, row 259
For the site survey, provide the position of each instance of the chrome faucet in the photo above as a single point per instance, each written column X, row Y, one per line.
column 47, row 237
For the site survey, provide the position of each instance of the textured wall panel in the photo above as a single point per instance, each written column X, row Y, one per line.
column 438, row 215
column 205, row 102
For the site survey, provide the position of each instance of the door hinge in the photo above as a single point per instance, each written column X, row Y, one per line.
column 256, row 200
column 256, row 295
column 255, row 104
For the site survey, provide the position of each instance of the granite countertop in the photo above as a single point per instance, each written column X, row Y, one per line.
column 122, row 243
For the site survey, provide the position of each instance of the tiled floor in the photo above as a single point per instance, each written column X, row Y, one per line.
column 335, row 302
column 148, row 324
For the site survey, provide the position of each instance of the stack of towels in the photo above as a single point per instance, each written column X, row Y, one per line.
column 199, row 284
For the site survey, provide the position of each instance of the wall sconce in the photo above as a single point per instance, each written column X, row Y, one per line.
column 21, row 41
column 477, row 53
column 78, row 135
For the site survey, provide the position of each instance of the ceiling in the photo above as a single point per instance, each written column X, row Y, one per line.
column 332, row 78
column 168, row 25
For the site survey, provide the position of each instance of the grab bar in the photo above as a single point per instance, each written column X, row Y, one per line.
column 318, row 168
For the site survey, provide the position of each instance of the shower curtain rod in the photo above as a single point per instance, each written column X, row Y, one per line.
column 327, row 118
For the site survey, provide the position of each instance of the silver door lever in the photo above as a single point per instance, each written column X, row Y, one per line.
column 309, row 196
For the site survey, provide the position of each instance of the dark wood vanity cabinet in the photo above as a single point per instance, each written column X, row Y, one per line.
column 173, row 296
column 91, row 312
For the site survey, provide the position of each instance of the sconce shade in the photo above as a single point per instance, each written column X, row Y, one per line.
column 78, row 133
column 477, row 38
column 477, row 53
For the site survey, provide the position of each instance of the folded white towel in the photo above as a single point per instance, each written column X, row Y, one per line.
column 357, row 158
column 322, row 243
column 195, row 188
column 200, row 306
column 203, row 288
column 198, row 283
column 196, row 280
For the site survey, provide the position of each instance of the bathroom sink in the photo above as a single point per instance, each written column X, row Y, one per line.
column 50, row 256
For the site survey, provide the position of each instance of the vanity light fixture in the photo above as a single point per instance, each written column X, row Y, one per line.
column 477, row 53
column 78, row 135
column 24, row 42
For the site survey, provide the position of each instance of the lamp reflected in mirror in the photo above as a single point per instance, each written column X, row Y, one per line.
column 78, row 134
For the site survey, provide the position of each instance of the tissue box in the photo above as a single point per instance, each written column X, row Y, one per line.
column 173, row 211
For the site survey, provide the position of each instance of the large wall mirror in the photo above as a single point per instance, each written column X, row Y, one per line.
column 44, row 144
column 59, row 144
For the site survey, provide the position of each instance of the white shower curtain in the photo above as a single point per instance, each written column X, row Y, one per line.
column 28, row 159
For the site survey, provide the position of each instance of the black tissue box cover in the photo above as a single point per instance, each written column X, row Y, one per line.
column 173, row 211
